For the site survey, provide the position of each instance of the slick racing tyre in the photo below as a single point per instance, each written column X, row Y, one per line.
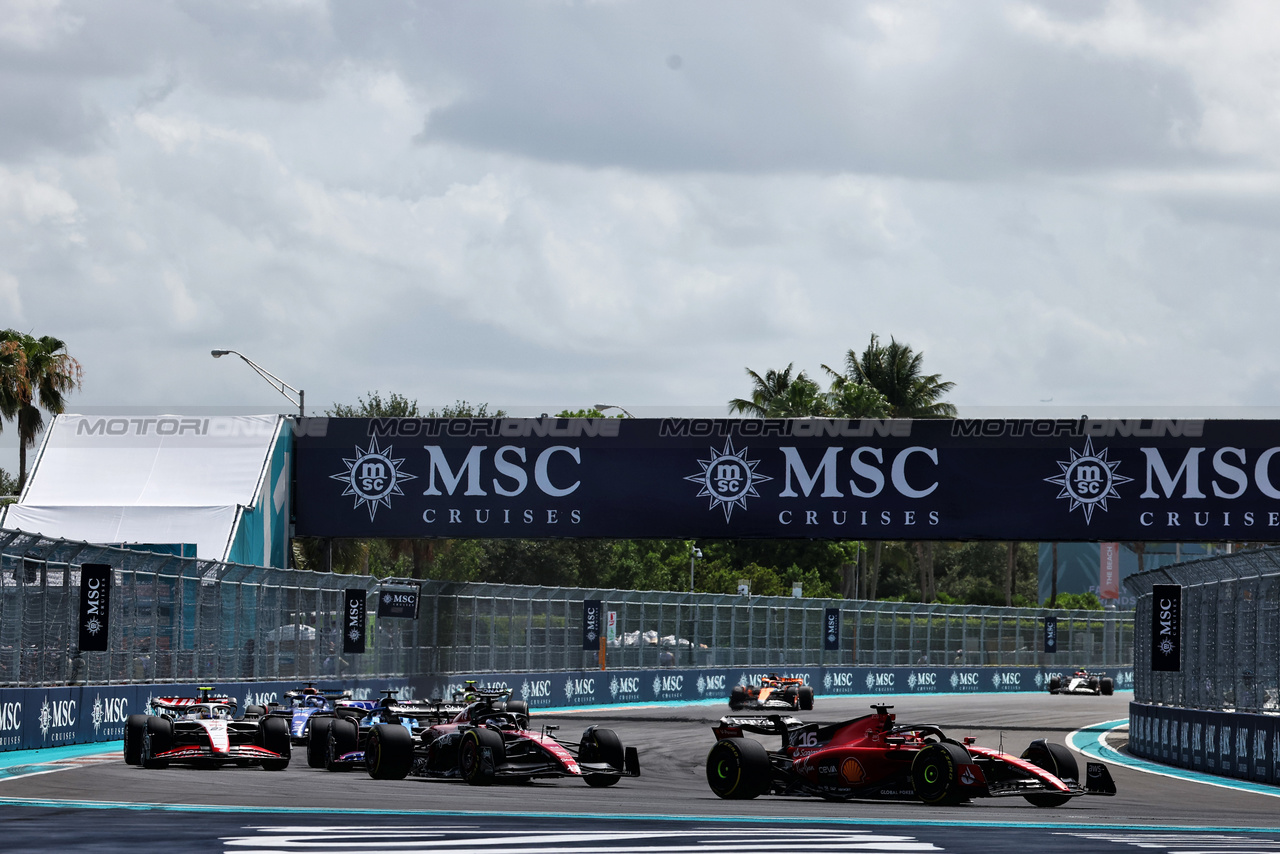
column 273, row 734
column 254, row 712
column 134, row 728
column 157, row 739
column 388, row 754
column 1107, row 686
column 1055, row 684
column 344, row 737
column 1058, row 761
column 737, row 698
column 1093, row 684
column 317, row 741
column 739, row 769
column 935, row 773
column 517, row 707
column 806, row 698
column 601, row 745
column 480, row 753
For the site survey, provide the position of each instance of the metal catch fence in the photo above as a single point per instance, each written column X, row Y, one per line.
column 179, row 620
column 473, row 628
column 1230, row 628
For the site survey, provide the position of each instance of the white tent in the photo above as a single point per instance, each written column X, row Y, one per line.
column 218, row 482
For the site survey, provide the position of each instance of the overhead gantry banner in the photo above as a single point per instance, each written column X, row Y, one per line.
column 1048, row 480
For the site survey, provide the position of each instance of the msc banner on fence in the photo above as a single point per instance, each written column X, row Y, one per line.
column 1051, row 480
column 1166, row 627
column 831, row 629
column 95, row 606
column 354, row 630
column 1050, row 634
column 591, row 617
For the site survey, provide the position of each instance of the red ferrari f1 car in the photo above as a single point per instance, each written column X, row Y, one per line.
column 773, row 692
column 491, row 740
column 872, row 757
column 204, row 731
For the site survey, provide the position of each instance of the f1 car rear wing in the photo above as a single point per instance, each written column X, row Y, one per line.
column 734, row 726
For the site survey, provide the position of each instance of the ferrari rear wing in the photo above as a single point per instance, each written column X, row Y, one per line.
column 733, row 726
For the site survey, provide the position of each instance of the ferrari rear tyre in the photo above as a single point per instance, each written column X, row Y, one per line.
column 601, row 745
column 388, row 755
column 739, row 769
column 806, row 698
column 273, row 734
column 935, row 773
column 317, row 741
column 344, row 737
column 737, row 698
column 1107, row 686
column 1055, row 683
column 134, row 728
column 1058, row 761
column 157, row 739
column 480, row 753
column 518, row 707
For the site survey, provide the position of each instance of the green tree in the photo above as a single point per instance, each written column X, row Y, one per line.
column 8, row 483
column 778, row 394
column 374, row 406
column 35, row 374
column 896, row 371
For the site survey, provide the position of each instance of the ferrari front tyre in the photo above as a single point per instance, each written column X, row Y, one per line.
column 157, row 739
column 737, row 698
column 317, row 741
column 134, row 728
column 1107, row 686
column 344, row 738
column 806, row 698
column 739, row 769
column 935, row 773
column 480, row 753
column 601, row 745
column 273, row 734
column 1055, row 683
column 1058, row 761
column 388, row 754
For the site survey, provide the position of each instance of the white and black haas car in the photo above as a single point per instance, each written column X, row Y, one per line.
column 491, row 740
column 1082, row 682
column 203, row 731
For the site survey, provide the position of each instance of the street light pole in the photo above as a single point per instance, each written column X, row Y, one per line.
column 601, row 407
column 693, row 556
column 279, row 384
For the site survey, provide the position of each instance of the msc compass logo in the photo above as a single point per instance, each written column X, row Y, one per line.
column 373, row 477
column 728, row 478
column 1088, row 479
column 1166, row 646
column 93, row 625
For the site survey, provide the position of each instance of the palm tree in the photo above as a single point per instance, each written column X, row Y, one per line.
column 895, row 371
column 35, row 374
column 778, row 394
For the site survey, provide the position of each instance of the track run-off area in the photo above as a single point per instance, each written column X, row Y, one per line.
column 86, row 798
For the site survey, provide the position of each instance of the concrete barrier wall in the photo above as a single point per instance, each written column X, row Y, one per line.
column 1230, row 744
column 33, row 718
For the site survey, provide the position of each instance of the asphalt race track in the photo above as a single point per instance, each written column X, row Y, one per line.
column 107, row 805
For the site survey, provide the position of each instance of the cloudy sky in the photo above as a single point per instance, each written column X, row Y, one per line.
column 547, row 205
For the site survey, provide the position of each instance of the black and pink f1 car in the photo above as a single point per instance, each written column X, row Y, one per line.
column 203, row 731
column 491, row 740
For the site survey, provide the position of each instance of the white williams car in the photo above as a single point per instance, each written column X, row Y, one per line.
column 1082, row 682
